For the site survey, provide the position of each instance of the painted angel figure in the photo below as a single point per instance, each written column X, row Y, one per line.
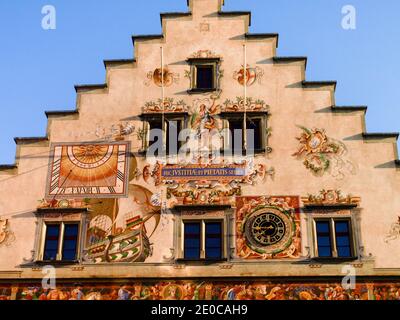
column 394, row 232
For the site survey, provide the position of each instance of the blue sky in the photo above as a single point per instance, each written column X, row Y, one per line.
column 39, row 68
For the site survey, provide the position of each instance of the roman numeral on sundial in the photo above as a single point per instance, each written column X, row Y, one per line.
column 120, row 175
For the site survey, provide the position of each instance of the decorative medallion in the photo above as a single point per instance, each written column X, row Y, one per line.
column 156, row 77
column 88, row 170
column 268, row 227
column 321, row 154
column 252, row 75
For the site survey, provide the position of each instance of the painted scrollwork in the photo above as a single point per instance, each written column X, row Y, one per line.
column 394, row 232
column 7, row 237
column 322, row 154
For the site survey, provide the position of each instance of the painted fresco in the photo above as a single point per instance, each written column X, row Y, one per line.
column 169, row 106
column 7, row 237
column 119, row 230
column 88, row 170
column 155, row 77
column 394, row 232
column 268, row 227
column 251, row 75
column 330, row 197
column 321, row 154
column 208, row 290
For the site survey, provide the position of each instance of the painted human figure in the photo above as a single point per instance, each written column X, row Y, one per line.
column 123, row 293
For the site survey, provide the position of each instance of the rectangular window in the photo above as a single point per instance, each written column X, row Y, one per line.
column 172, row 126
column 203, row 240
column 254, row 137
column 324, row 239
column 192, row 241
column 204, row 74
column 343, row 240
column 52, row 241
column 205, row 77
column 255, row 140
column 333, row 237
column 61, row 242
column 213, row 241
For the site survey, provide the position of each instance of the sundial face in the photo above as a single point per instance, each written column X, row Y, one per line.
column 268, row 230
column 88, row 170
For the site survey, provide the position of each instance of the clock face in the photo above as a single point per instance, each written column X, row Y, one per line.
column 268, row 230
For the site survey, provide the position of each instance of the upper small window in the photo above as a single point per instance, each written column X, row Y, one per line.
column 204, row 74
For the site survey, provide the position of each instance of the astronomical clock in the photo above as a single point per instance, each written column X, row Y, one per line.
column 268, row 227
column 88, row 170
column 268, row 230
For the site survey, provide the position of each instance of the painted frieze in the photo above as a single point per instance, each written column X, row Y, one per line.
column 207, row 290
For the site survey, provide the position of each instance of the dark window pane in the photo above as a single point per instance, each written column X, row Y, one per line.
column 173, row 128
column 324, row 252
column 51, row 242
column 205, row 77
column 192, row 241
column 342, row 226
column 254, row 137
column 70, row 243
column 324, row 239
column 323, row 226
column 344, row 252
column 156, row 124
column 236, row 135
column 213, row 240
column 343, row 241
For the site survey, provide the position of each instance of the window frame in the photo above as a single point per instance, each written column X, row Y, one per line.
column 58, row 216
column 204, row 217
column 61, row 240
column 331, row 219
column 194, row 63
column 231, row 116
column 147, row 119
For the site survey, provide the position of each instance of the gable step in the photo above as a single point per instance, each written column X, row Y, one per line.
column 235, row 14
column 349, row 108
column 113, row 62
column 318, row 84
column 30, row 140
column 147, row 37
column 174, row 15
column 291, row 59
column 61, row 113
column 8, row 166
column 379, row 135
column 262, row 36
column 89, row 87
